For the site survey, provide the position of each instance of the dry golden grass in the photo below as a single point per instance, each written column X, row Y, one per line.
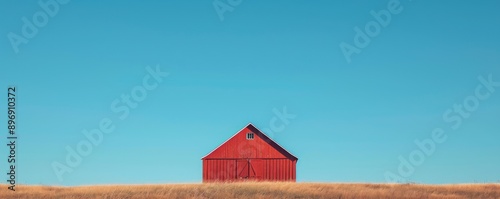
column 258, row 190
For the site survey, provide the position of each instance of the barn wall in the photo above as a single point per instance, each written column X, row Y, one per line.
column 260, row 169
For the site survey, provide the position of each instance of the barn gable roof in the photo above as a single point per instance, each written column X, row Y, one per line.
column 267, row 138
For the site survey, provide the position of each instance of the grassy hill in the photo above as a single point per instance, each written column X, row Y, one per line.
column 258, row 190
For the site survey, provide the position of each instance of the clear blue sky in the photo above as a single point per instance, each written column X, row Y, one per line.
column 353, row 119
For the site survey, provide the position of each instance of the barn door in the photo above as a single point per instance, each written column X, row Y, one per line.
column 242, row 169
column 250, row 169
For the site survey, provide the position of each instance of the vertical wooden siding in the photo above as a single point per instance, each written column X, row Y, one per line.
column 275, row 169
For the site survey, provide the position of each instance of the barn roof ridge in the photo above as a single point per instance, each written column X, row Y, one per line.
column 262, row 132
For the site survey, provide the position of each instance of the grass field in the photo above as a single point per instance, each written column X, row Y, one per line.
column 258, row 190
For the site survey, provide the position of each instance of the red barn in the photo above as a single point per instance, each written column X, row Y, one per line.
column 249, row 155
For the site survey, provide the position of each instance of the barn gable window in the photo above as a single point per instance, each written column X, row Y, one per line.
column 250, row 136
